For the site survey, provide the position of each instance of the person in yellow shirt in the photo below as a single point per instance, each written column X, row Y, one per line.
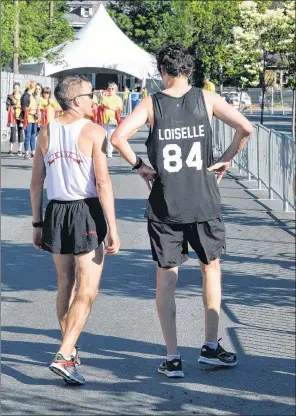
column 30, row 116
column 95, row 103
column 113, row 105
column 144, row 92
column 208, row 85
column 126, row 93
column 48, row 107
column 13, row 104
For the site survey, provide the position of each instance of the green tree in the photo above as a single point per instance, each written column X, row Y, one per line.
column 205, row 27
column 146, row 22
column 36, row 35
column 210, row 24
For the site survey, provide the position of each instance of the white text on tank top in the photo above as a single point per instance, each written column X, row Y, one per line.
column 69, row 173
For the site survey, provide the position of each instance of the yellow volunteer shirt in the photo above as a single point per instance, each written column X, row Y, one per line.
column 32, row 109
column 95, row 100
column 51, row 108
column 18, row 108
column 209, row 86
column 113, row 102
column 126, row 94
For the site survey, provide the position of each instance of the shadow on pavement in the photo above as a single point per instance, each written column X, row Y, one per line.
column 123, row 358
column 16, row 203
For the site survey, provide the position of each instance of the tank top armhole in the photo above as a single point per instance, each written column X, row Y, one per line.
column 49, row 141
column 85, row 122
column 205, row 110
column 150, row 128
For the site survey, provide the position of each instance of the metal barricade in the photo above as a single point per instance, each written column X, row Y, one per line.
column 269, row 158
column 263, row 154
column 127, row 104
column 253, row 166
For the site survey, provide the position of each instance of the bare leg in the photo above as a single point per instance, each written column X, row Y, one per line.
column 211, row 298
column 166, row 306
column 89, row 268
column 65, row 265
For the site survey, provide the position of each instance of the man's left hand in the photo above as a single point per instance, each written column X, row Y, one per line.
column 37, row 238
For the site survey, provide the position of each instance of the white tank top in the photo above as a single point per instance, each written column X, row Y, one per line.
column 69, row 174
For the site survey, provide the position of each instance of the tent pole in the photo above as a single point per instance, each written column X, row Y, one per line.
column 143, row 83
column 93, row 80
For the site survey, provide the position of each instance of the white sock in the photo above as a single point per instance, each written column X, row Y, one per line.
column 171, row 357
column 66, row 358
column 212, row 345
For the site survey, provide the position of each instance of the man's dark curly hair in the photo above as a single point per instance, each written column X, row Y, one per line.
column 175, row 60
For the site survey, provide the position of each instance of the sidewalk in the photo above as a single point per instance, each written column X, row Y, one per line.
column 122, row 344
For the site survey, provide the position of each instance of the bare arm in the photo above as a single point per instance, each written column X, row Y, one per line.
column 128, row 128
column 104, row 188
column 36, row 190
column 37, row 181
column 229, row 115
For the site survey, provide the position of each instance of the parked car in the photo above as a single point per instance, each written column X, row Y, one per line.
column 237, row 100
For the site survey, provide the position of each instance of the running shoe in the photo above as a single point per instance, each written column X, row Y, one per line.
column 76, row 356
column 66, row 369
column 217, row 357
column 10, row 153
column 27, row 157
column 19, row 153
column 171, row 368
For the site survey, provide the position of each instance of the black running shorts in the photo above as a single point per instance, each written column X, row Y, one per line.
column 169, row 242
column 73, row 227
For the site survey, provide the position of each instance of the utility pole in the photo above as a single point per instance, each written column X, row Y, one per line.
column 16, row 39
column 51, row 5
column 263, row 87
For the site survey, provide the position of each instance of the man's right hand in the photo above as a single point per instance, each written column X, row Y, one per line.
column 113, row 243
column 148, row 174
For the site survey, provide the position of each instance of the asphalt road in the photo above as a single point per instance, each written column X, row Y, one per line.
column 122, row 344
column 277, row 121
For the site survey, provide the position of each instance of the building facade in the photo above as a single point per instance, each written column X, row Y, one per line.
column 80, row 11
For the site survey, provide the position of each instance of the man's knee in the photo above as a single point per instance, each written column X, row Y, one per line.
column 213, row 266
column 167, row 278
column 87, row 295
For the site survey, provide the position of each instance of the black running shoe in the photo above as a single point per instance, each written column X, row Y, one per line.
column 217, row 357
column 171, row 368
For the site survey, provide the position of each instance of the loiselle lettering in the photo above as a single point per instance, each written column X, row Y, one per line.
column 181, row 133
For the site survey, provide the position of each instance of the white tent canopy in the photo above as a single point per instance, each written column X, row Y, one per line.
column 100, row 44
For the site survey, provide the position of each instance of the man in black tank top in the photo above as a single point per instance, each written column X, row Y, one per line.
column 184, row 203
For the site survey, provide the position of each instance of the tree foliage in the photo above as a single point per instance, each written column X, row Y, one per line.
column 36, row 34
column 202, row 26
column 264, row 38
column 147, row 22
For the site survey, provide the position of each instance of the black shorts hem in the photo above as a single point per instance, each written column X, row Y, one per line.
column 84, row 250
column 169, row 242
column 213, row 256
column 73, row 227
column 184, row 258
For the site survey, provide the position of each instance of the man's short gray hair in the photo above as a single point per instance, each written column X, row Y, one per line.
column 67, row 89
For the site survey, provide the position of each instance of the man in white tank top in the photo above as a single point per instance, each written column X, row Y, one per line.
column 70, row 155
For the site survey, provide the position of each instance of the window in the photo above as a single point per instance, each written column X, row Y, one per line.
column 86, row 11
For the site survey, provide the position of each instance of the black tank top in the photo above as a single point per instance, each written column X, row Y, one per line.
column 179, row 148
